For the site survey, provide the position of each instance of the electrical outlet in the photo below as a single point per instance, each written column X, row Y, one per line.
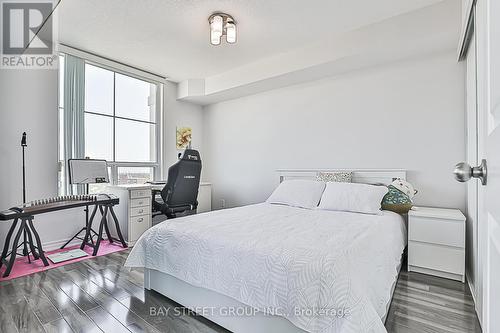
column 222, row 203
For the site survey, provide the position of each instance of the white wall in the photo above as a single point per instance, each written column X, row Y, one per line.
column 179, row 114
column 405, row 115
column 28, row 102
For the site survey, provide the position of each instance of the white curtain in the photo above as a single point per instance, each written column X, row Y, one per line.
column 74, row 99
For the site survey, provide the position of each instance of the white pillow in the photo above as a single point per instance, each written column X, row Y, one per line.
column 353, row 197
column 298, row 193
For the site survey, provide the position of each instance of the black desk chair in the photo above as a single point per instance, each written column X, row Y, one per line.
column 180, row 194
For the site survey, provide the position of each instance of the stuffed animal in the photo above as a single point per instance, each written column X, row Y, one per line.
column 404, row 187
column 398, row 199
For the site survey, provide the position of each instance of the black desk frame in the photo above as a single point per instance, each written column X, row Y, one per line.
column 102, row 225
column 84, row 229
column 27, row 228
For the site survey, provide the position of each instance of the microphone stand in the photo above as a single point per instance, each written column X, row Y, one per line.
column 24, row 176
column 25, row 221
column 24, row 145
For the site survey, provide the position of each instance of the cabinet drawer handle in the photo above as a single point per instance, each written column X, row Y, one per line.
column 141, row 211
column 140, row 202
column 140, row 220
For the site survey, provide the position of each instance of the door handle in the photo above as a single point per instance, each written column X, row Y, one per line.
column 463, row 172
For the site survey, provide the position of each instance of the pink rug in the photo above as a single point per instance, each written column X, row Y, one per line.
column 22, row 267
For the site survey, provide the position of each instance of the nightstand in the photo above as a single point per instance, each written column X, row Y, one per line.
column 436, row 242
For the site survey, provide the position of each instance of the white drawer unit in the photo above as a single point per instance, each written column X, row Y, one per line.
column 139, row 193
column 140, row 202
column 139, row 211
column 139, row 224
column 436, row 242
column 134, row 210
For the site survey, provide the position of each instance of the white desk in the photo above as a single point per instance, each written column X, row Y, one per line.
column 134, row 210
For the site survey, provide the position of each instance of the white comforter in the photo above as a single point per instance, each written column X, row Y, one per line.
column 325, row 271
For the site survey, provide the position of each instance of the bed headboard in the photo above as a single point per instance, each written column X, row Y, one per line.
column 365, row 176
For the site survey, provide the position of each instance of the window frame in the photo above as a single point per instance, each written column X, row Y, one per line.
column 114, row 165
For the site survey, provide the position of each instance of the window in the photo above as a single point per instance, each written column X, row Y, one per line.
column 121, row 123
column 128, row 175
column 62, row 170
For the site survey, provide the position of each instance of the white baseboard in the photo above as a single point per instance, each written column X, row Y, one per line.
column 474, row 298
column 428, row 271
column 472, row 291
column 54, row 245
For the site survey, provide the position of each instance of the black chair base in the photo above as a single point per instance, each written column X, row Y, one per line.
column 171, row 212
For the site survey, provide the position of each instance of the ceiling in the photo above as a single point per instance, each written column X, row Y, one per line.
column 171, row 37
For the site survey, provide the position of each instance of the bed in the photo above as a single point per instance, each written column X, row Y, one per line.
column 275, row 268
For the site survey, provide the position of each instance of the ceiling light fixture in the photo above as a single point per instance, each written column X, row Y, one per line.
column 222, row 25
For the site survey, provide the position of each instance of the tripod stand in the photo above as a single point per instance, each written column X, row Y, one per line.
column 88, row 226
column 27, row 237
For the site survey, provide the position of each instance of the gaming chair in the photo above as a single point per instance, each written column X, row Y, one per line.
column 181, row 191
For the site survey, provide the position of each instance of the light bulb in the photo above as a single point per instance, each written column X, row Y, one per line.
column 231, row 32
column 216, row 25
column 214, row 38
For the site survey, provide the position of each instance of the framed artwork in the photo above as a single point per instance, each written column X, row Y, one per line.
column 183, row 137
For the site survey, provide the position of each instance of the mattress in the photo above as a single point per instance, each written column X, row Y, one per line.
column 324, row 271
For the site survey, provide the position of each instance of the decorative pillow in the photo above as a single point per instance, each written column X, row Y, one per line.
column 339, row 177
column 298, row 193
column 352, row 197
column 396, row 201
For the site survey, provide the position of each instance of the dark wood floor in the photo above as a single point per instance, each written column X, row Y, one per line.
column 99, row 294
column 423, row 303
